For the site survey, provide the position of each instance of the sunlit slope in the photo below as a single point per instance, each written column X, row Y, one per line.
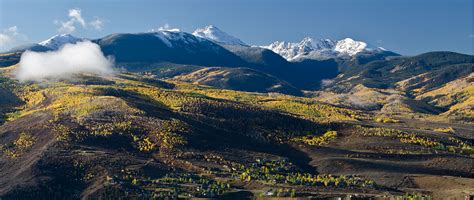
column 242, row 79
column 134, row 134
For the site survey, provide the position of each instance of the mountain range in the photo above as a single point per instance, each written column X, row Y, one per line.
column 206, row 115
column 308, row 48
column 321, row 49
column 209, row 56
column 211, row 47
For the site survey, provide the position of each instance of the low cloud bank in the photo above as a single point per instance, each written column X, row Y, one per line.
column 82, row 57
column 326, row 82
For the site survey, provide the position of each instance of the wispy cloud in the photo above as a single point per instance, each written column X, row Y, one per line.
column 165, row 27
column 471, row 35
column 10, row 36
column 65, row 27
column 77, row 20
column 75, row 14
column 97, row 24
column 7, row 36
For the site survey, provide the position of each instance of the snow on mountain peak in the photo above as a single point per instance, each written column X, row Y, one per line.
column 165, row 28
column 213, row 33
column 307, row 48
column 310, row 48
column 350, row 47
column 167, row 36
column 173, row 30
column 57, row 41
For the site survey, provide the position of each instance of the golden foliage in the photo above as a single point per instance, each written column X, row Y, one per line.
column 386, row 120
column 22, row 144
column 25, row 141
column 303, row 107
column 445, row 130
column 317, row 140
column 411, row 138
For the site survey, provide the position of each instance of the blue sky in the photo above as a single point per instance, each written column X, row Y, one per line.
column 408, row 27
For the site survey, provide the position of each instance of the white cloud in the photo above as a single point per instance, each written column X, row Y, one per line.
column 75, row 14
column 97, row 24
column 471, row 35
column 76, row 19
column 165, row 27
column 82, row 57
column 66, row 27
column 12, row 30
column 5, row 39
column 326, row 82
column 10, row 36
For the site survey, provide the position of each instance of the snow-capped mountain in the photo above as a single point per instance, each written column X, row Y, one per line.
column 171, row 36
column 213, row 38
column 215, row 34
column 57, row 41
column 166, row 46
column 310, row 48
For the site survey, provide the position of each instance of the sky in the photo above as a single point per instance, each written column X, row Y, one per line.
column 408, row 27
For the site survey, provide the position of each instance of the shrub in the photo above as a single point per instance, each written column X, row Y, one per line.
column 317, row 140
column 25, row 141
column 445, row 130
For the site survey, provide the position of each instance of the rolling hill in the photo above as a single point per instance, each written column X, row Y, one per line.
column 135, row 136
column 242, row 79
column 426, row 82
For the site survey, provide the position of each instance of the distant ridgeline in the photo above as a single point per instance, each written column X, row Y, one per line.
column 282, row 67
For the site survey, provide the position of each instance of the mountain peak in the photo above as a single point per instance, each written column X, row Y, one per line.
column 56, row 41
column 307, row 41
column 348, row 40
column 213, row 33
column 210, row 27
column 320, row 49
column 350, row 46
column 168, row 36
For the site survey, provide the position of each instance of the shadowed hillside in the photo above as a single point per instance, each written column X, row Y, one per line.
column 135, row 136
